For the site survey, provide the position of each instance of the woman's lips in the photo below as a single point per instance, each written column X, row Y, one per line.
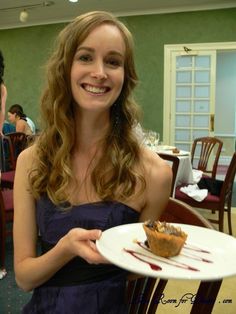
column 95, row 89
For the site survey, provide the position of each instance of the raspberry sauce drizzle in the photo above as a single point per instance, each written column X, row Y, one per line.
column 194, row 248
column 198, row 258
column 134, row 254
column 163, row 260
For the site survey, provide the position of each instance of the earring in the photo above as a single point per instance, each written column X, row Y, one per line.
column 116, row 113
column 117, row 120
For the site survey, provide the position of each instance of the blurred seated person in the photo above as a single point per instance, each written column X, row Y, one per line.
column 22, row 123
column 8, row 128
column 29, row 121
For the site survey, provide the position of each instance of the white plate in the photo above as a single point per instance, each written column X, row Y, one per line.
column 169, row 152
column 165, row 147
column 211, row 253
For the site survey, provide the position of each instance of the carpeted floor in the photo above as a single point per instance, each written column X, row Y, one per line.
column 12, row 299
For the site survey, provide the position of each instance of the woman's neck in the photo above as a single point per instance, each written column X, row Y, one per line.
column 91, row 130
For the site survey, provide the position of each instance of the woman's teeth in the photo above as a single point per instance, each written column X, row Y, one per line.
column 94, row 89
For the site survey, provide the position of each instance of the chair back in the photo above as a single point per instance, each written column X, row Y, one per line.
column 143, row 293
column 174, row 160
column 13, row 144
column 220, row 203
column 7, row 154
column 180, row 212
column 19, row 142
column 203, row 149
column 6, row 216
column 227, row 188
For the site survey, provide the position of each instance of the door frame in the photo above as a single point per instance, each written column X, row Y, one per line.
column 168, row 51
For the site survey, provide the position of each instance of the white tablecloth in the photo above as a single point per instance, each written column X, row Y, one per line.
column 185, row 172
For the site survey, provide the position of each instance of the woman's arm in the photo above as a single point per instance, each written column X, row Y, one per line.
column 158, row 186
column 3, row 106
column 30, row 270
column 21, row 126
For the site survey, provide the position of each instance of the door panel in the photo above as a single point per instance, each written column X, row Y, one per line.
column 192, row 97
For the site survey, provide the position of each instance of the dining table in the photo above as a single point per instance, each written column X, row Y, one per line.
column 185, row 173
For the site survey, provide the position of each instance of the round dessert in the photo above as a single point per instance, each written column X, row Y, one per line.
column 175, row 150
column 163, row 238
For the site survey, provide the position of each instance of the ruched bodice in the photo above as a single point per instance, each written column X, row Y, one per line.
column 54, row 223
column 80, row 287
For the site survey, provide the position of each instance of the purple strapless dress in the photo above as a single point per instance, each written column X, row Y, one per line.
column 80, row 287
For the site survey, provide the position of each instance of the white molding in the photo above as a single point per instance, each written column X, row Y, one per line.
column 225, row 135
column 166, row 96
column 134, row 12
column 201, row 46
column 224, row 160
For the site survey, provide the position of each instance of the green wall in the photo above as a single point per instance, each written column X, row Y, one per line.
column 27, row 49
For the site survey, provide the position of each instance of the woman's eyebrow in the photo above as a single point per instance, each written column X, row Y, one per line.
column 85, row 48
column 89, row 49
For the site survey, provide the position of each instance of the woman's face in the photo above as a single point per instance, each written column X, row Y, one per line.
column 11, row 117
column 97, row 73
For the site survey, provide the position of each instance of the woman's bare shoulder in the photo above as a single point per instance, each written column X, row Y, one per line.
column 24, row 165
column 20, row 122
column 157, row 170
column 27, row 156
column 152, row 161
column 158, row 177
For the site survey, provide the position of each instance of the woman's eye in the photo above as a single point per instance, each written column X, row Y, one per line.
column 114, row 62
column 84, row 58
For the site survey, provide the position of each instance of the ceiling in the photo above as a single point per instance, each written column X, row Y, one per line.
column 63, row 11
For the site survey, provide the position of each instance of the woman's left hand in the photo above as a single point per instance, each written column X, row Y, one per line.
column 81, row 242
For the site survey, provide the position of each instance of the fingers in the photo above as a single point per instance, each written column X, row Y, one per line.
column 88, row 251
column 84, row 234
column 81, row 242
column 94, row 257
column 88, row 247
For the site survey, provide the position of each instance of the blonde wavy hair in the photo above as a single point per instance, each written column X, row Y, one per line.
column 114, row 176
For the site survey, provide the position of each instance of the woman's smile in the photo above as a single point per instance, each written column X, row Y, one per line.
column 97, row 90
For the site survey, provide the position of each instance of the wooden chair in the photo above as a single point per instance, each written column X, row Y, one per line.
column 19, row 142
column 216, row 203
column 174, row 160
column 203, row 150
column 6, row 220
column 7, row 178
column 143, row 293
column 12, row 145
column 7, row 154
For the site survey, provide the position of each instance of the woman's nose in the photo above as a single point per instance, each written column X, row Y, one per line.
column 99, row 72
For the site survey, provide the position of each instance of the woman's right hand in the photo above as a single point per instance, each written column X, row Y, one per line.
column 81, row 242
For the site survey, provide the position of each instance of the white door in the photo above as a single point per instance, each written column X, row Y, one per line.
column 191, row 101
column 192, row 96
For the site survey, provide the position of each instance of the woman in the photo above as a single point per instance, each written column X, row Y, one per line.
column 85, row 174
column 19, row 109
column 17, row 117
column 3, row 98
column 3, row 93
